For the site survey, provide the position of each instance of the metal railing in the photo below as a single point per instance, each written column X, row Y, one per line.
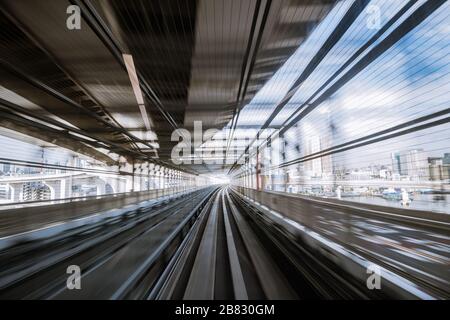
column 25, row 218
column 405, row 241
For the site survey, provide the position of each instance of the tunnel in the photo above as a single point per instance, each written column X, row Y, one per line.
column 224, row 150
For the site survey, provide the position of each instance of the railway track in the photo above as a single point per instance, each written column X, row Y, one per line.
column 235, row 253
column 212, row 245
column 38, row 270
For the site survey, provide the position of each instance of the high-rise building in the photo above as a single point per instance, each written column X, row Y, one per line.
column 446, row 164
column 412, row 163
column 446, row 159
column 439, row 168
column 4, row 192
column 5, row 168
column 322, row 166
column 396, row 163
column 32, row 191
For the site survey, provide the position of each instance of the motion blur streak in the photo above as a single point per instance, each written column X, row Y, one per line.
column 224, row 149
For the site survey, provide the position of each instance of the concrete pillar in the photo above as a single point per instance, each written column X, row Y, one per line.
column 137, row 178
column 101, row 186
column 152, row 180
column 121, row 185
column 60, row 189
column 112, row 183
column 156, row 176
column 149, row 175
column 16, row 191
column 164, row 177
column 57, row 188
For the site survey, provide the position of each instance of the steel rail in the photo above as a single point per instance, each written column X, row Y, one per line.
column 174, row 279
column 240, row 291
column 275, row 285
column 201, row 282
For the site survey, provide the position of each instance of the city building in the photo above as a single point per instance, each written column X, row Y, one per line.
column 410, row 163
column 438, row 168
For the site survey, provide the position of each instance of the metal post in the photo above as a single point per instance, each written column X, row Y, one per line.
column 132, row 177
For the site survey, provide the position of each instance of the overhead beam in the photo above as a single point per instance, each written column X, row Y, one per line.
column 103, row 32
column 55, row 138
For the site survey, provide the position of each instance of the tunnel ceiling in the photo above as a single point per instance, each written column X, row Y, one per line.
column 195, row 60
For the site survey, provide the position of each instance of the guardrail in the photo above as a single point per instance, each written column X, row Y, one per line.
column 18, row 220
column 410, row 243
column 15, row 205
column 289, row 203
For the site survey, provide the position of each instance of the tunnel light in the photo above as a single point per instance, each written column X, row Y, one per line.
column 142, row 146
column 217, row 179
column 129, row 64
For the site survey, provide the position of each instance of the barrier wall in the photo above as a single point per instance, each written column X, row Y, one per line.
column 410, row 243
column 22, row 219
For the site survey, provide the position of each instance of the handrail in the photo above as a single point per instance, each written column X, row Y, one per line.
column 85, row 198
column 421, row 217
column 16, row 220
column 361, row 229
